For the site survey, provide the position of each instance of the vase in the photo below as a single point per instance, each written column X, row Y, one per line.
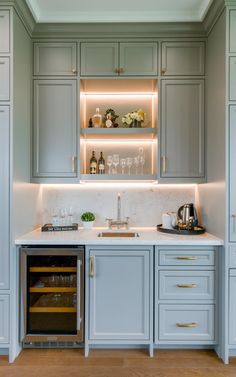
column 87, row 224
column 135, row 124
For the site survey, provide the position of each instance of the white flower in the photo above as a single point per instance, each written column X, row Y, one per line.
column 135, row 115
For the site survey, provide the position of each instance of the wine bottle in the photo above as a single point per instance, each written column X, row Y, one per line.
column 97, row 118
column 101, row 164
column 93, row 164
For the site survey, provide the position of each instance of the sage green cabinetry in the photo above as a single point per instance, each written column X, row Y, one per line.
column 4, row 322
column 55, row 129
column 55, row 59
column 182, row 129
column 4, row 31
column 232, row 164
column 4, row 78
column 182, row 58
column 232, row 30
column 232, row 81
column 119, row 58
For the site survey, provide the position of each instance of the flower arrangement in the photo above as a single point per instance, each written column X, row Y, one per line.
column 129, row 118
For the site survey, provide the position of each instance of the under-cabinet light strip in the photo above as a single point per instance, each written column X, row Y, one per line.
column 120, row 141
column 123, row 94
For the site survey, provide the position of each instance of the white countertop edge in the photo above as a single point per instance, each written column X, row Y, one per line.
column 148, row 236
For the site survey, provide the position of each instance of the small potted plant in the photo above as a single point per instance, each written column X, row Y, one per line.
column 87, row 220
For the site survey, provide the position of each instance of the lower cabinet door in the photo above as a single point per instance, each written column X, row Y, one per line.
column 119, row 294
column 4, row 319
column 186, row 322
column 232, row 307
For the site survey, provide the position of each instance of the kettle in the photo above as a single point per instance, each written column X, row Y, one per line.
column 187, row 216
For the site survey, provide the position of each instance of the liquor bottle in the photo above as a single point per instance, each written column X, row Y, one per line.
column 97, row 119
column 101, row 164
column 93, row 164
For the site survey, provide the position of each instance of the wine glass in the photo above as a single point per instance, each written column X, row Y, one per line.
column 136, row 163
column 109, row 163
column 116, row 161
column 142, row 162
column 123, row 165
column 141, row 151
column 129, row 163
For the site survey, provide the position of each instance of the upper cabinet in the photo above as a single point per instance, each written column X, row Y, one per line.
column 232, row 81
column 4, row 78
column 182, row 58
column 5, row 30
column 232, row 31
column 55, row 59
column 182, row 130
column 119, row 59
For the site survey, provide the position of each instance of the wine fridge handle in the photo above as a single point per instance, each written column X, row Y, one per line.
column 78, row 292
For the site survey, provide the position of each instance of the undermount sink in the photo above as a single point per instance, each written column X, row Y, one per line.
column 118, row 234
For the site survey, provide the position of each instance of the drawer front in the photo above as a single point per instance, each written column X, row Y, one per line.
column 190, row 285
column 4, row 319
column 186, row 257
column 186, row 322
column 4, row 79
column 232, row 256
column 4, row 31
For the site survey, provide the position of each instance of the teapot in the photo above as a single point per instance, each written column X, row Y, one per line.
column 187, row 216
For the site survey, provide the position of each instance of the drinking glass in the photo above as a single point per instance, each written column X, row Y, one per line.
column 142, row 162
column 129, row 163
column 136, row 163
column 70, row 216
column 141, row 151
column 123, row 165
column 116, row 161
column 109, row 163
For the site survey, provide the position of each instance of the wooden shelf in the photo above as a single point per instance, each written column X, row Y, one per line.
column 131, row 133
column 117, row 177
column 52, row 289
column 58, row 309
column 53, row 269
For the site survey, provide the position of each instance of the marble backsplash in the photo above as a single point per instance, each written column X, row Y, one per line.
column 143, row 205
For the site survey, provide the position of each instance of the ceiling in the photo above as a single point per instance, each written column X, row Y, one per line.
column 82, row 11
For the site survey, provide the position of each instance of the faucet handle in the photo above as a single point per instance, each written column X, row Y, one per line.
column 127, row 222
column 109, row 222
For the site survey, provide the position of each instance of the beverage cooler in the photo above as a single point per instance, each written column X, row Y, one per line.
column 52, row 296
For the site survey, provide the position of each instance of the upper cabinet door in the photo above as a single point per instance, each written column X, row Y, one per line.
column 55, row 59
column 99, row 59
column 4, row 79
column 232, row 31
column 232, row 172
column 232, row 81
column 55, row 145
column 182, row 129
column 4, row 31
column 138, row 59
column 182, row 58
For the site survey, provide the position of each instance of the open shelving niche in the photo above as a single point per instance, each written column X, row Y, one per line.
column 122, row 95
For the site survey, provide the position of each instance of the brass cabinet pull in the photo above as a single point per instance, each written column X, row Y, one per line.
column 187, row 258
column 186, row 285
column 163, row 164
column 74, row 159
column 117, row 70
column 163, row 71
column 2, row 16
column 74, row 70
column 1, row 62
column 91, row 267
column 193, row 324
column 121, row 70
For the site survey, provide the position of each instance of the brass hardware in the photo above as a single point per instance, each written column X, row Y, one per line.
column 74, row 159
column 74, row 71
column 234, row 217
column 91, row 267
column 2, row 111
column 163, row 164
column 193, row 324
column 2, row 62
column 163, row 71
column 121, row 70
column 117, row 70
column 187, row 258
column 186, row 285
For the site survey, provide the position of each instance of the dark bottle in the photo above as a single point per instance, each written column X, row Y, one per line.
column 90, row 123
column 93, row 164
column 101, row 164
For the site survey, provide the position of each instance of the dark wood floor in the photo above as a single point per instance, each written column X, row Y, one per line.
column 117, row 363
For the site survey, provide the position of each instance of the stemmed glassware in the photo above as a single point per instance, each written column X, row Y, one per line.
column 116, row 161
column 136, row 163
column 109, row 163
column 123, row 165
column 129, row 163
column 141, row 158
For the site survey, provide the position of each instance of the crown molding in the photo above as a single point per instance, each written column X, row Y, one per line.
column 23, row 12
column 213, row 14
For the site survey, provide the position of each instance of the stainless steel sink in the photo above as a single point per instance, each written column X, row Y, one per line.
column 118, row 234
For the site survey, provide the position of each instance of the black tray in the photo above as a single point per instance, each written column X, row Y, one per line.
column 58, row 228
column 195, row 231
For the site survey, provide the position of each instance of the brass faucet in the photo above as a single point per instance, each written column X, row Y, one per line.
column 118, row 223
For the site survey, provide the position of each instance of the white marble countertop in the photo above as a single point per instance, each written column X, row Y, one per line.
column 147, row 236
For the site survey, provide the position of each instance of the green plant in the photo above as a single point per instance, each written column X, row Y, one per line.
column 87, row 216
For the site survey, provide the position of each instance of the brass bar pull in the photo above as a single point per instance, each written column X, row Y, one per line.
column 186, row 285
column 121, row 70
column 74, row 159
column 2, row 16
column 163, row 164
column 234, row 217
column 117, row 70
column 91, row 267
column 192, row 325
column 187, row 258
column 1, row 62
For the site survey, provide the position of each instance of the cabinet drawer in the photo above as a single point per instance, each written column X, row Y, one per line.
column 55, row 59
column 190, row 285
column 182, row 58
column 186, row 257
column 4, row 319
column 4, row 79
column 4, row 31
column 186, row 322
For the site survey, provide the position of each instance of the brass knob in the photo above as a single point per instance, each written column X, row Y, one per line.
column 74, row 71
column 163, row 71
column 122, row 70
column 117, row 70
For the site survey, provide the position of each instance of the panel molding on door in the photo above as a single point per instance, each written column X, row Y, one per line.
column 99, row 59
column 4, row 78
column 4, row 316
column 4, row 30
column 232, row 173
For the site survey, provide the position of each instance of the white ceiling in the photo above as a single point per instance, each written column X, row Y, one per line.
column 118, row 11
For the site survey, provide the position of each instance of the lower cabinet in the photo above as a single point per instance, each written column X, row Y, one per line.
column 120, row 293
column 4, row 319
column 232, row 307
column 185, row 303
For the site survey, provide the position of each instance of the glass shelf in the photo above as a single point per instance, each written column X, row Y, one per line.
column 131, row 133
column 118, row 177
